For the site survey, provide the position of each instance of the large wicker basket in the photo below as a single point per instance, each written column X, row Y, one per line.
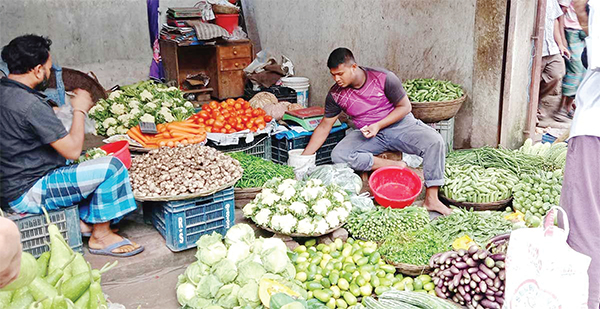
column 477, row 206
column 245, row 196
column 431, row 112
column 222, row 9
column 409, row 269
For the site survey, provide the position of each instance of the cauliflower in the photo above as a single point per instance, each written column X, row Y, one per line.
column 150, row 106
column 109, row 122
column 338, row 197
column 268, row 197
column 263, row 216
column 310, row 194
column 146, row 95
column 305, row 226
column 332, row 218
column 121, row 130
column 124, row 119
column 134, row 103
column 172, row 89
column 249, row 209
column 288, row 223
column 288, row 194
column 167, row 114
column 342, row 213
column 299, row 208
column 322, row 206
column 115, row 94
column 135, row 112
column 321, row 226
column 347, row 205
column 167, row 104
column 147, row 118
column 96, row 109
column 188, row 104
column 276, row 222
column 118, row 109
column 111, row 131
column 314, row 182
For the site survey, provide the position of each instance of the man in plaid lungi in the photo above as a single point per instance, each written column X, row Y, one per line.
column 35, row 146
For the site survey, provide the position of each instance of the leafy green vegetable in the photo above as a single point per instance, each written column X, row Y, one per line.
column 479, row 225
column 375, row 225
column 228, row 296
column 185, row 293
column 208, row 286
column 225, row 270
column 196, row 271
column 91, row 154
column 211, row 249
column 240, row 233
column 249, row 271
column 275, row 260
column 413, row 247
column 248, row 295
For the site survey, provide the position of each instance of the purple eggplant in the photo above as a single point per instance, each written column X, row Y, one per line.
column 486, row 303
column 487, row 271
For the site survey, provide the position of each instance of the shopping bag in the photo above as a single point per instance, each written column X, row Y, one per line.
column 542, row 271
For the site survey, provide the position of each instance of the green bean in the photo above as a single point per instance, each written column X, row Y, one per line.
column 257, row 171
column 430, row 90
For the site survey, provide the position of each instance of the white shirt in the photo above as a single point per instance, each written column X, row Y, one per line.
column 553, row 11
column 587, row 101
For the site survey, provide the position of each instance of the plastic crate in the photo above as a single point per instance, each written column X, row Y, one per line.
column 34, row 231
column 446, row 129
column 260, row 147
column 281, row 93
column 281, row 147
column 548, row 138
column 182, row 223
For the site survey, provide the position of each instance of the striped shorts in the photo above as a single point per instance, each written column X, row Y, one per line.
column 100, row 187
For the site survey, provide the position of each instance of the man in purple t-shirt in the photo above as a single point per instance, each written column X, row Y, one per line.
column 380, row 110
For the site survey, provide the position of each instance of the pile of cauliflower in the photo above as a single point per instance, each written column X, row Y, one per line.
column 145, row 101
column 306, row 207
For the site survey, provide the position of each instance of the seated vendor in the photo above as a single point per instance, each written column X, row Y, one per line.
column 381, row 112
column 35, row 146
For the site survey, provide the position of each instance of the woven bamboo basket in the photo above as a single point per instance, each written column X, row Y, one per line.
column 409, row 269
column 498, row 205
column 431, row 112
column 245, row 196
column 222, row 9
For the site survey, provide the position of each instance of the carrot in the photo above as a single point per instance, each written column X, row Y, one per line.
column 139, row 133
column 138, row 137
column 184, row 129
column 166, row 134
column 161, row 128
column 184, row 134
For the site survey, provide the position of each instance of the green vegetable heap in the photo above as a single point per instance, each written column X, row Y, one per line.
column 377, row 224
column 475, row 184
column 515, row 161
column 257, row 171
column 91, row 154
column 227, row 274
column 59, row 278
column 413, row 247
column 431, row 90
column 534, row 195
column 479, row 225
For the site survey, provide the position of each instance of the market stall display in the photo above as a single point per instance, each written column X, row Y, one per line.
column 182, row 172
column 231, row 116
column 238, row 271
column 556, row 152
column 145, row 101
column 535, row 194
column 404, row 249
column 170, row 135
column 405, row 299
column 472, row 278
column 481, row 226
column 306, row 208
column 381, row 222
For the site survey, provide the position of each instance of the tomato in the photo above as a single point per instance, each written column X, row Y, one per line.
column 261, row 126
column 237, row 106
column 219, row 124
column 231, row 131
column 230, row 101
column 210, row 122
column 200, row 120
column 248, row 111
column 206, row 107
column 227, row 126
column 213, row 104
column 255, row 112
column 249, row 125
column 224, row 105
column 239, row 127
column 268, row 118
column 245, row 119
column 232, row 121
column 223, row 130
column 220, row 118
column 208, row 129
column 204, row 114
column 246, row 104
column 251, row 121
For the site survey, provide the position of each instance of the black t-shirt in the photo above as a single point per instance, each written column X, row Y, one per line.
column 28, row 125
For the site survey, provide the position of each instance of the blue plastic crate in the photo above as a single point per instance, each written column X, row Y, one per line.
column 34, row 231
column 280, row 147
column 548, row 138
column 182, row 223
column 260, row 147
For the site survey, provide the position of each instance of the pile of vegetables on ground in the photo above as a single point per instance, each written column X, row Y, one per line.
column 535, row 194
column 257, row 170
column 60, row 278
column 182, row 170
column 90, row 154
column 476, row 184
column 305, row 207
column 238, row 271
column 555, row 153
column 413, row 247
column 381, row 222
column 431, row 90
column 230, row 116
column 145, row 101
column 170, row 135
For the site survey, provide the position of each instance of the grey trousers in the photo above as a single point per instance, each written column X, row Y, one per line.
column 408, row 135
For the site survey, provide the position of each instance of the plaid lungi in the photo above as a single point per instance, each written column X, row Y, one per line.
column 100, row 187
column 575, row 69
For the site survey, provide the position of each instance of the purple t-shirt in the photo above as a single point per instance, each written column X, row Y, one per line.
column 372, row 102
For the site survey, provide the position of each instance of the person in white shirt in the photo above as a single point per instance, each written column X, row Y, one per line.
column 580, row 196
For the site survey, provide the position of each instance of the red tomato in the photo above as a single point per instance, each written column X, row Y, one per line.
column 204, row 114
column 231, row 131
column 227, row 126
column 237, row 106
column 246, row 104
column 215, row 114
column 232, row 121
column 219, row 124
column 239, row 127
column 268, row 118
column 255, row 112
column 245, row 119
column 223, row 130
column 261, row 126
column 213, row 104
column 200, row 120
column 208, row 129
column 210, row 122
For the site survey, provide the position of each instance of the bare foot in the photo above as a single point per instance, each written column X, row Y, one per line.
column 437, row 206
column 103, row 237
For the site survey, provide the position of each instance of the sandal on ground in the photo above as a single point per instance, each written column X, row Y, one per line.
column 108, row 250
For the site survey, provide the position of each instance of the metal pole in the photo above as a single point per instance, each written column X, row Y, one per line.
column 536, row 68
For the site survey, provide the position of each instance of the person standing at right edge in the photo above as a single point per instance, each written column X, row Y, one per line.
column 580, row 195
column 553, row 65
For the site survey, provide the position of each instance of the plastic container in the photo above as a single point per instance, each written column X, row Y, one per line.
column 548, row 138
column 394, row 186
column 182, row 223
column 34, row 231
column 260, row 147
column 296, row 158
column 301, row 85
column 281, row 147
column 119, row 150
column 446, row 129
column 227, row 21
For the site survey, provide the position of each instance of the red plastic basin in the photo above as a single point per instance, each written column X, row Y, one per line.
column 119, row 150
column 395, row 186
column 227, row 21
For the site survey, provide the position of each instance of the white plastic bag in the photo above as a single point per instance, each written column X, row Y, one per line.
column 65, row 115
column 542, row 271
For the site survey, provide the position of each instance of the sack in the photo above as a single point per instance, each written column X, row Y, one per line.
column 542, row 271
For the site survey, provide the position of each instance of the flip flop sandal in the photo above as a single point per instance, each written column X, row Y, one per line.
column 108, row 250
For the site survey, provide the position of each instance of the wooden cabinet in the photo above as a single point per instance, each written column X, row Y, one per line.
column 223, row 63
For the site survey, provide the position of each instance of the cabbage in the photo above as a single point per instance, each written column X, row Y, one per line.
column 208, row 286
column 240, row 233
column 264, row 244
column 196, row 271
column 249, row 271
column 238, row 252
column 289, row 271
column 214, row 307
column 248, row 295
column 227, row 296
column 200, row 303
column 185, row 293
column 275, row 260
column 225, row 271
column 211, row 249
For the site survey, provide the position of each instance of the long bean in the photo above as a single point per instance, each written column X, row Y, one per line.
column 514, row 161
column 257, row 171
column 479, row 225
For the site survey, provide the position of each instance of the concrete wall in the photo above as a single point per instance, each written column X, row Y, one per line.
column 108, row 37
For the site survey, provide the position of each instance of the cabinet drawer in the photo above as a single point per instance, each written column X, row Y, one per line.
column 234, row 64
column 235, row 51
